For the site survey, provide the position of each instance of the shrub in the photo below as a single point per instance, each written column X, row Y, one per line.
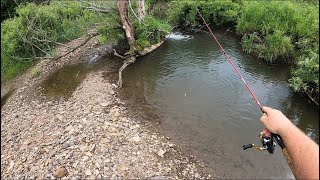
column 280, row 25
column 36, row 29
column 306, row 76
column 149, row 32
column 284, row 31
column 215, row 12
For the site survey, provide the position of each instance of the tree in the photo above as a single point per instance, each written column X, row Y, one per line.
column 141, row 10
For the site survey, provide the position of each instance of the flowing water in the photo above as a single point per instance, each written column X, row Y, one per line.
column 202, row 104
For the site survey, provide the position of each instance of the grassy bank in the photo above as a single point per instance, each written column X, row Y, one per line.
column 274, row 31
column 36, row 30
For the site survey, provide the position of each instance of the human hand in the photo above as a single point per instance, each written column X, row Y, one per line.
column 274, row 120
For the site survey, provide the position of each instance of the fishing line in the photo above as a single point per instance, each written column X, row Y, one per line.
column 233, row 65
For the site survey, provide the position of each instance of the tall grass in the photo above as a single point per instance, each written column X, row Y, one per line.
column 284, row 31
column 36, row 30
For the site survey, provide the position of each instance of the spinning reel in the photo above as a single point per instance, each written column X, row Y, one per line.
column 267, row 143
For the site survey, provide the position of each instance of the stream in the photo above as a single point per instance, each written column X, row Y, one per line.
column 192, row 93
column 201, row 102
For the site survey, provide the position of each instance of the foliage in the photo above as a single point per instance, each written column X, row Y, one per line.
column 271, row 47
column 306, row 75
column 8, row 8
column 37, row 29
column 284, row 31
column 215, row 12
column 149, row 32
column 278, row 25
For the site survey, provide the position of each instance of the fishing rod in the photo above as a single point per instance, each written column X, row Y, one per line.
column 267, row 142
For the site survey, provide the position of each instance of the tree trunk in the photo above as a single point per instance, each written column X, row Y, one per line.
column 126, row 24
column 141, row 10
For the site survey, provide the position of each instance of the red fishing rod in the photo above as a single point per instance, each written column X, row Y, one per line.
column 230, row 61
column 267, row 142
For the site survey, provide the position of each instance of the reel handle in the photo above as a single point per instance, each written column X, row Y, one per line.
column 247, row 146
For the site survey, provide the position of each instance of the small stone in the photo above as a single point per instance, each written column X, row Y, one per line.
column 197, row 175
column 97, row 165
column 88, row 154
column 104, row 104
column 171, row 145
column 88, row 172
column 92, row 147
column 161, row 152
column 69, row 128
column 11, row 165
column 85, row 158
column 60, row 172
column 158, row 178
column 136, row 138
column 104, row 141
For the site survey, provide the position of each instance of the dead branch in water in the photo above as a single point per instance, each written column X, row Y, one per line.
column 312, row 99
column 126, row 63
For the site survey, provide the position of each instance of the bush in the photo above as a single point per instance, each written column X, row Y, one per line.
column 217, row 13
column 36, row 29
column 279, row 25
column 284, row 31
column 149, row 32
column 306, row 76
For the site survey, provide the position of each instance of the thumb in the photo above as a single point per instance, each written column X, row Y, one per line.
column 266, row 109
column 263, row 119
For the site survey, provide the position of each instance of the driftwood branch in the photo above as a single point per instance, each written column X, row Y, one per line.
column 148, row 50
column 126, row 63
column 197, row 30
column 46, row 40
column 227, row 31
column 118, row 55
column 97, row 8
column 33, row 45
column 312, row 99
column 75, row 48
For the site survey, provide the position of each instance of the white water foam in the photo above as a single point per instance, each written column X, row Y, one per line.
column 179, row 36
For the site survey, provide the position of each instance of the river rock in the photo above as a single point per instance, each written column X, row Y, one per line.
column 136, row 138
column 161, row 152
column 60, row 172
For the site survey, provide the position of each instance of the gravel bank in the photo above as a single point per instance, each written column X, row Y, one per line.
column 90, row 135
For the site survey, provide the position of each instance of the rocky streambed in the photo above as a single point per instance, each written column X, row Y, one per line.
column 88, row 135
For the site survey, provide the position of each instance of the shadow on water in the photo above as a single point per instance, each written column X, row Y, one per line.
column 6, row 97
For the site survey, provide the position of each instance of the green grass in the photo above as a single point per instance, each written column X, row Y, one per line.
column 10, row 69
column 36, row 30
